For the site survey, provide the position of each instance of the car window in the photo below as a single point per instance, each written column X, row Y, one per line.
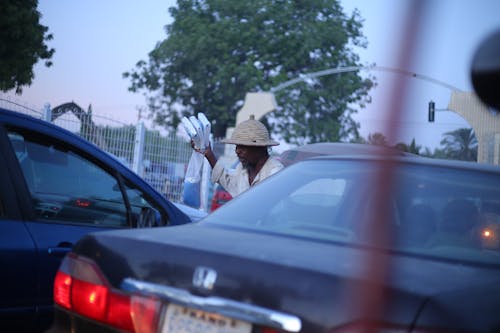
column 310, row 209
column 434, row 211
column 65, row 186
column 310, row 204
column 139, row 202
column 321, row 192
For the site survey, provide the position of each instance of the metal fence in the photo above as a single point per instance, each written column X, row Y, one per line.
column 161, row 159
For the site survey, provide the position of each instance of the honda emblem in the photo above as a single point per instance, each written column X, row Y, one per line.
column 204, row 277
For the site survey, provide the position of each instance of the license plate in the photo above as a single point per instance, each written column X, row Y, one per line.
column 180, row 319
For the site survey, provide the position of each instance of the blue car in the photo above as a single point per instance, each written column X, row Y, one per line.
column 56, row 187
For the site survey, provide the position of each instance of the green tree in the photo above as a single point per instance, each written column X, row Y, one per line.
column 218, row 50
column 359, row 139
column 438, row 153
column 428, row 152
column 411, row 148
column 460, row 144
column 22, row 43
column 377, row 139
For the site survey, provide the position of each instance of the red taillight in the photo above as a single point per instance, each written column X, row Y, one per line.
column 89, row 299
column 62, row 286
column 81, row 287
column 144, row 312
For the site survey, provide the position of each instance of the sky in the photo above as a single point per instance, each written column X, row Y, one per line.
column 97, row 41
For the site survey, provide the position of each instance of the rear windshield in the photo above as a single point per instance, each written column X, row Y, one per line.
column 430, row 210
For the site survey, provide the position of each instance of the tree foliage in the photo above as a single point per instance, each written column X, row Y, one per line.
column 460, row 144
column 22, row 43
column 411, row 148
column 218, row 50
column 378, row 139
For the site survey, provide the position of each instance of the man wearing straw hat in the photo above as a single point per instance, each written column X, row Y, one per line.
column 252, row 141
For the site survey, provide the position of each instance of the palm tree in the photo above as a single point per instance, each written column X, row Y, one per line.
column 460, row 144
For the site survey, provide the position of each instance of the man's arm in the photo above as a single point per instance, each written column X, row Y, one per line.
column 210, row 156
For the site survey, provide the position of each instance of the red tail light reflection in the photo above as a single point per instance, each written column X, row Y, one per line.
column 82, row 203
column 81, row 287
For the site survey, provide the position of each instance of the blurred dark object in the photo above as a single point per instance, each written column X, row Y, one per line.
column 485, row 71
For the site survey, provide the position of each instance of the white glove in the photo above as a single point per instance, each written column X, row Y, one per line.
column 206, row 128
column 189, row 128
column 198, row 139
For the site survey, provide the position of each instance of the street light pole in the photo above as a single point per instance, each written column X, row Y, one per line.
column 338, row 70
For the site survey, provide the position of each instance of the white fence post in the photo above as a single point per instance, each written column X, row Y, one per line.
column 205, row 182
column 139, row 143
column 47, row 113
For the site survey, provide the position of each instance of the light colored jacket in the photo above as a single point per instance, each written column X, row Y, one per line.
column 235, row 181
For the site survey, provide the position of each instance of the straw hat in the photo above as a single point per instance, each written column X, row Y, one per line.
column 251, row 132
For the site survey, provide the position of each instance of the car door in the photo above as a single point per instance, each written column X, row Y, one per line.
column 69, row 194
column 17, row 257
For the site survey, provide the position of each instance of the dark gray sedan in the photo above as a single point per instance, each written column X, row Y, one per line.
column 330, row 244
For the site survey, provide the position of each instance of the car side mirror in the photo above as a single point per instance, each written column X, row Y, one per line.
column 149, row 217
column 485, row 71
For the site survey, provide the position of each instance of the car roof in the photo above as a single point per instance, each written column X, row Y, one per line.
column 414, row 159
column 296, row 154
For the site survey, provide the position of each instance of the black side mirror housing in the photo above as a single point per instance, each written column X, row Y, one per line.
column 485, row 71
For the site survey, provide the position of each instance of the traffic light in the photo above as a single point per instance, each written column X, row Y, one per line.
column 432, row 109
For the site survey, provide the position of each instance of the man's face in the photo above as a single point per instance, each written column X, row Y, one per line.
column 248, row 155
